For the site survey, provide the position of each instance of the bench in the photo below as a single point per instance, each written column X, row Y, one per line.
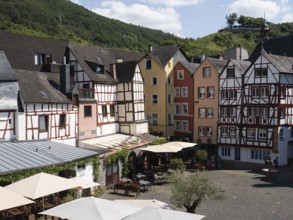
column 127, row 187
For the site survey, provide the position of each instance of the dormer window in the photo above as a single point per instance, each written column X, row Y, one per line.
column 41, row 58
column 97, row 68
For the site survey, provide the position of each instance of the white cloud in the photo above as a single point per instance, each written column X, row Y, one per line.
column 287, row 18
column 165, row 19
column 256, row 8
column 284, row 1
column 172, row 3
column 75, row 1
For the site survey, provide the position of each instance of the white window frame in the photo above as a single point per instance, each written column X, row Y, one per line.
column 233, row 94
column 251, row 133
column 201, row 92
column 224, row 94
column 177, row 125
column 209, row 131
column 264, row 91
column 180, row 74
column 232, row 111
column 232, row 132
column 201, row 112
column 170, row 80
column 211, row 92
column 177, row 109
column 170, row 99
column 176, row 92
column 210, row 112
column 184, row 125
column 184, row 109
column 206, row 72
column 224, row 111
column 224, row 131
column 184, row 92
column 262, row 133
column 201, row 131
column 226, row 151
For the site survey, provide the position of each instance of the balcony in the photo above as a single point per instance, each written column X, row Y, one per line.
column 86, row 94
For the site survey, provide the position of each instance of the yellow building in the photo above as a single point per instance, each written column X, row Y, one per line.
column 157, row 69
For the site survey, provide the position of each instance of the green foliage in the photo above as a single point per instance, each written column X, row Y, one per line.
column 177, row 164
column 158, row 141
column 231, row 19
column 201, row 155
column 123, row 156
column 190, row 191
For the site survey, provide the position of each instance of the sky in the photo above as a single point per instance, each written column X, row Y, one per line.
column 188, row 18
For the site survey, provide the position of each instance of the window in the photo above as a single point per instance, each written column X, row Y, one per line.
column 209, row 131
column 201, row 92
column 210, row 112
column 177, row 92
column 281, row 134
column 184, row 109
column 224, row 94
column 180, row 74
column 43, row 121
column 152, row 118
column 232, row 111
column 62, row 121
column 259, row 154
column 49, row 58
column 233, row 94
column 264, row 91
column 177, row 109
column 87, row 111
column 283, row 93
column 200, row 131
column 184, row 125
column 148, row 64
column 224, row 111
column 232, row 132
column 251, row 112
column 170, row 80
column 170, row 99
column 224, row 132
column 155, row 81
column 112, row 110
column 251, row 133
column 104, row 111
column 230, row 72
column 177, row 126
column 206, row 72
column 263, row 112
column 211, row 92
column 262, row 133
column 39, row 58
column 202, row 112
column 170, row 118
column 226, row 151
column 184, row 92
column 155, row 99
column 255, row 92
column 261, row 72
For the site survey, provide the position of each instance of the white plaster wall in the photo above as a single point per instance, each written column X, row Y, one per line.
column 107, row 129
column 69, row 141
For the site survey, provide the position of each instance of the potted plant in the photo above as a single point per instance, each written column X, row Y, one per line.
column 201, row 156
column 177, row 164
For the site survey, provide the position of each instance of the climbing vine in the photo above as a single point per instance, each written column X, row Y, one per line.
column 123, row 156
column 52, row 169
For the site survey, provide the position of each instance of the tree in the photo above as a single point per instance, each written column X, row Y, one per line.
column 231, row 19
column 189, row 192
column 201, row 156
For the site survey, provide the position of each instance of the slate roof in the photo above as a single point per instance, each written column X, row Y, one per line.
column 282, row 46
column 101, row 56
column 17, row 156
column 125, row 71
column 38, row 87
column 20, row 49
column 6, row 72
column 241, row 65
column 191, row 67
column 218, row 64
column 283, row 63
column 165, row 53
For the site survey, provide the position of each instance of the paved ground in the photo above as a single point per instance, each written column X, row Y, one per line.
column 249, row 194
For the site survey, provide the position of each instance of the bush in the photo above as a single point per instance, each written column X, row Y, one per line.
column 177, row 164
column 201, row 155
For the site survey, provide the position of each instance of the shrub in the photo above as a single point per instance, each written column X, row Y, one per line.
column 176, row 164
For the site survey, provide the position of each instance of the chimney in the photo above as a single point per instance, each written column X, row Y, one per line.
column 150, row 48
column 113, row 70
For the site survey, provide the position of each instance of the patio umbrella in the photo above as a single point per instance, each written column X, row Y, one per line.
column 91, row 208
column 41, row 184
column 162, row 214
column 9, row 199
column 162, row 149
column 146, row 203
column 180, row 144
column 84, row 184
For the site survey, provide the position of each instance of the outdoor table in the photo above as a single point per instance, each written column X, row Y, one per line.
column 14, row 212
column 145, row 184
column 140, row 176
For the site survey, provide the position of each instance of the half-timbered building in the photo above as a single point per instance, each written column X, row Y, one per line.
column 130, row 98
column 183, row 100
column 206, row 87
column 230, row 109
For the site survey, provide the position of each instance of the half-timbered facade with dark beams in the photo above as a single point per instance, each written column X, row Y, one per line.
column 183, row 98
column 268, row 109
column 230, row 109
column 8, row 102
column 45, row 113
column 130, row 98
column 206, row 87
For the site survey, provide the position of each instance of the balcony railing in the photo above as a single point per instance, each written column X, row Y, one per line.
column 86, row 94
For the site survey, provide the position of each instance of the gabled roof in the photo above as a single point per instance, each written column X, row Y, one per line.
column 283, row 63
column 6, row 72
column 240, row 65
column 218, row 64
column 191, row 67
column 125, row 71
column 37, row 87
column 165, row 53
column 17, row 156
column 282, row 46
column 101, row 56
